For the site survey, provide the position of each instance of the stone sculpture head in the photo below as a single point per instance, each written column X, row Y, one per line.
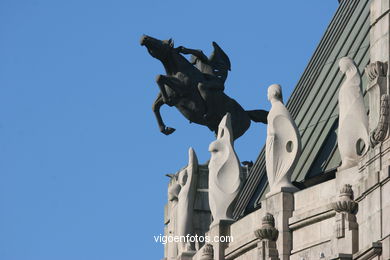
column 346, row 64
column 223, row 157
column 173, row 191
column 159, row 49
column 182, row 178
column 275, row 93
column 224, row 137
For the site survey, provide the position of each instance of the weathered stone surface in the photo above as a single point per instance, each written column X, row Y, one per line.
column 385, row 196
column 321, row 251
column 239, row 229
column 379, row 33
column 369, row 218
column 308, row 236
column 314, row 197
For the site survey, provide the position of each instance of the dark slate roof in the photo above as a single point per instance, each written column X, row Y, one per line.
column 313, row 103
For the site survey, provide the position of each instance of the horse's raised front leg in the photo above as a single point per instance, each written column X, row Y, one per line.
column 156, row 109
column 174, row 84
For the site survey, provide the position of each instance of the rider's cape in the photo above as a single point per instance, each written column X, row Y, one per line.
column 218, row 63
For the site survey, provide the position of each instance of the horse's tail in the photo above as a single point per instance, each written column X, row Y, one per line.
column 258, row 116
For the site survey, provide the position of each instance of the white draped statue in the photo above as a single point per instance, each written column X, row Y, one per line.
column 187, row 179
column 224, row 173
column 173, row 192
column 353, row 138
column 283, row 145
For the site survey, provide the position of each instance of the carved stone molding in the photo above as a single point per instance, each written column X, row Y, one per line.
column 345, row 203
column 346, row 239
column 268, row 230
column 208, row 252
column 268, row 235
column 370, row 252
column 379, row 133
column 375, row 70
column 378, row 101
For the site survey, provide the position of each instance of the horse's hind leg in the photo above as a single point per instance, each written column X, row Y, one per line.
column 156, row 109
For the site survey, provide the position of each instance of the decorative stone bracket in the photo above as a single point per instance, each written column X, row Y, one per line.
column 345, row 203
column 375, row 70
column 378, row 101
column 346, row 240
column 268, row 235
column 379, row 133
column 208, row 252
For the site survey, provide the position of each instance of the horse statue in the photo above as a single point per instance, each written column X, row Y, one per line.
column 196, row 89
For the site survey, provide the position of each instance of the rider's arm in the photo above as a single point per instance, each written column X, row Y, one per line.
column 197, row 53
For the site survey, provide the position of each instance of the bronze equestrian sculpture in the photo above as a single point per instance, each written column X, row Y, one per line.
column 196, row 89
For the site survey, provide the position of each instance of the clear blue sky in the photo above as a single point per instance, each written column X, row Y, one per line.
column 82, row 162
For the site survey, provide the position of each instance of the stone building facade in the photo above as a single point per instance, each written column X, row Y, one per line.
column 336, row 213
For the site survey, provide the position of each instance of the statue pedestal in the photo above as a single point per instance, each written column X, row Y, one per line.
column 347, row 233
column 285, row 189
column 267, row 250
column 346, row 240
column 186, row 255
column 219, row 229
column 281, row 206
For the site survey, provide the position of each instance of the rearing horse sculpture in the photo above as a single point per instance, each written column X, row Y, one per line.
column 180, row 88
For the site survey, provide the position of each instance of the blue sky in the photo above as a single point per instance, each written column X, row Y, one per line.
column 82, row 163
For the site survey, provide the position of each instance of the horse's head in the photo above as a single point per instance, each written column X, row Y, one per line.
column 159, row 49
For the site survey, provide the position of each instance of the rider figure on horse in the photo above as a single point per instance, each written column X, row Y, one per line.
column 215, row 70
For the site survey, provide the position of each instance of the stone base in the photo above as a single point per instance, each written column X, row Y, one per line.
column 221, row 228
column 186, row 255
column 222, row 223
column 289, row 189
column 267, row 250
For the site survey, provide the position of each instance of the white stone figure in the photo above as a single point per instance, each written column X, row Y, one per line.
column 187, row 179
column 173, row 192
column 283, row 145
column 224, row 173
column 353, row 137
